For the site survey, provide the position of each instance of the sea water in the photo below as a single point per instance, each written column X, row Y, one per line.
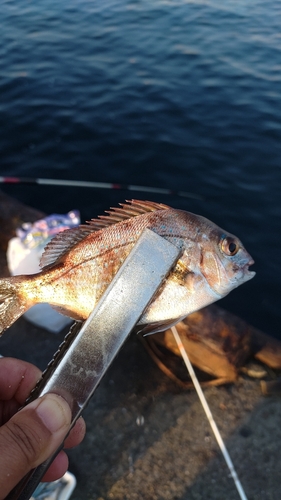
column 181, row 94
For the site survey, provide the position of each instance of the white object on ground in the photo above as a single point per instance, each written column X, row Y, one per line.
column 61, row 489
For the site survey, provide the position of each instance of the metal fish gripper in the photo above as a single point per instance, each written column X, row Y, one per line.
column 80, row 364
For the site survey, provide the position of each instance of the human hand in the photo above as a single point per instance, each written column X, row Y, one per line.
column 30, row 436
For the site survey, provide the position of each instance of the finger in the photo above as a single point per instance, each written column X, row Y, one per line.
column 76, row 434
column 57, row 468
column 60, row 464
column 30, row 437
column 17, row 379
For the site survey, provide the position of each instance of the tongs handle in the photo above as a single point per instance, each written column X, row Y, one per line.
column 95, row 346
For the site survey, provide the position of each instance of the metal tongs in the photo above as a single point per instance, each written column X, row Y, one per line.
column 76, row 371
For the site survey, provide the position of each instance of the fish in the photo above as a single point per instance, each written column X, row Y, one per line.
column 79, row 263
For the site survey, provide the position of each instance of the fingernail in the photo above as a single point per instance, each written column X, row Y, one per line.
column 54, row 412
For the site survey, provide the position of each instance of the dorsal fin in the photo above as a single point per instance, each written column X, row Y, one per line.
column 64, row 241
column 61, row 244
column 131, row 208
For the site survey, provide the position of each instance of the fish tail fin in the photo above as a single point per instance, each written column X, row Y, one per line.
column 11, row 304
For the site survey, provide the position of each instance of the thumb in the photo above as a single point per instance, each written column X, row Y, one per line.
column 30, row 437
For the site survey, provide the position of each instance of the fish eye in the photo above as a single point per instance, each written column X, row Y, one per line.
column 229, row 246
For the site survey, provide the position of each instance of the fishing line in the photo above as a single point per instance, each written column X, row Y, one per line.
column 98, row 185
column 209, row 414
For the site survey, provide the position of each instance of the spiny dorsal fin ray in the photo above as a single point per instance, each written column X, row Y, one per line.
column 131, row 208
column 64, row 241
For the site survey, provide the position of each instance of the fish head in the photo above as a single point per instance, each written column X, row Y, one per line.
column 224, row 261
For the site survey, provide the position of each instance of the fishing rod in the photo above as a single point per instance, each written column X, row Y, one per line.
column 97, row 185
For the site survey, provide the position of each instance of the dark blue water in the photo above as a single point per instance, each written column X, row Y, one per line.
column 176, row 94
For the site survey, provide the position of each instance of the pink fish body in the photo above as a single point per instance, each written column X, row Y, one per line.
column 78, row 265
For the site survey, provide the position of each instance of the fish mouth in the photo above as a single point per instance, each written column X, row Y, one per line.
column 247, row 272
